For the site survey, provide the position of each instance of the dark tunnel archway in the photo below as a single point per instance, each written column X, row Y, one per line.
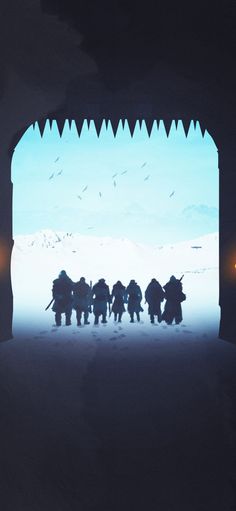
column 168, row 129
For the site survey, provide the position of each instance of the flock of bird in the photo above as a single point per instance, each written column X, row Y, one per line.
column 113, row 177
column 54, row 174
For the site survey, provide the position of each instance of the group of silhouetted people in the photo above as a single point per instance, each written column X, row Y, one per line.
column 85, row 298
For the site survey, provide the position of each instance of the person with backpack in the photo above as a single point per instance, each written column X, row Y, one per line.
column 118, row 293
column 174, row 296
column 154, row 295
column 63, row 299
column 133, row 295
column 82, row 300
column 101, row 297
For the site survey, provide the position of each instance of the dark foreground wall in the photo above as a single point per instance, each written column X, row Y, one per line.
column 117, row 423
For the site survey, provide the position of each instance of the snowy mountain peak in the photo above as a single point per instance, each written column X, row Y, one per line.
column 48, row 238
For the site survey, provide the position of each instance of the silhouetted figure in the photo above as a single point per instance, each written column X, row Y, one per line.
column 174, row 296
column 101, row 297
column 62, row 294
column 154, row 295
column 118, row 293
column 134, row 297
column 82, row 300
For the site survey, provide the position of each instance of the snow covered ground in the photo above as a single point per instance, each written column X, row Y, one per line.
column 109, row 414
column 38, row 258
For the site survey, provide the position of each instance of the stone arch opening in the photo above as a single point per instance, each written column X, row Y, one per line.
column 168, row 132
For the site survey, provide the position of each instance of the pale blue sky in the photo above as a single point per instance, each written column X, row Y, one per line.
column 136, row 203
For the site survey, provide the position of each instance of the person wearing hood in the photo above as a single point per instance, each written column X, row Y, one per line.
column 154, row 295
column 174, row 296
column 134, row 296
column 82, row 300
column 118, row 293
column 101, row 297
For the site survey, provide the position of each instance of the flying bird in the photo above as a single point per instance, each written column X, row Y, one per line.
column 56, row 159
column 79, row 197
column 114, row 175
column 85, row 188
column 51, row 176
column 147, row 177
column 171, row 195
column 143, row 165
column 125, row 172
column 114, row 184
column 59, row 173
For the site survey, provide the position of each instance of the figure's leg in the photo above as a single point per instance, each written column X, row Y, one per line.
column 96, row 319
column 78, row 316
column 138, row 316
column 115, row 316
column 119, row 317
column 168, row 314
column 86, row 322
column 58, row 318
column 178, row 314
column 104, row 320
column 131, row 317
column 68, row 313
column 152, row 318
column 68, row 319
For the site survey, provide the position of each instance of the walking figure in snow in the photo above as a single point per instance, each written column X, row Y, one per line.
column 118, row 293
column 101, row 297
column 63, row 300
column 134, row 297
column 174, row 296
column 82, row 300
column 154, row 295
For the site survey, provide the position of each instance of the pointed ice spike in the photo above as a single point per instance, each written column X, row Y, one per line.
column 167, row 124
column 149, row 125
column 141, row 124
column 41, row 125
column 50, row 123
column 79, row 125
column 195, row 124
column 132, row 125
column 98, row 125
column 186, row 125
column 202, row 128
column 114, row 125
column 60, row 125
column 70, row 123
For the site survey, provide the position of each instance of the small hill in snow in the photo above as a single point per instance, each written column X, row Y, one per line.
column 47, row 252
column 38, row 258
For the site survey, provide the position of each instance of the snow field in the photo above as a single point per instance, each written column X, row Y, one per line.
column 37, row 260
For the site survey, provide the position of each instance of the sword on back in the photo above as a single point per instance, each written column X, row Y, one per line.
column 49, row 304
